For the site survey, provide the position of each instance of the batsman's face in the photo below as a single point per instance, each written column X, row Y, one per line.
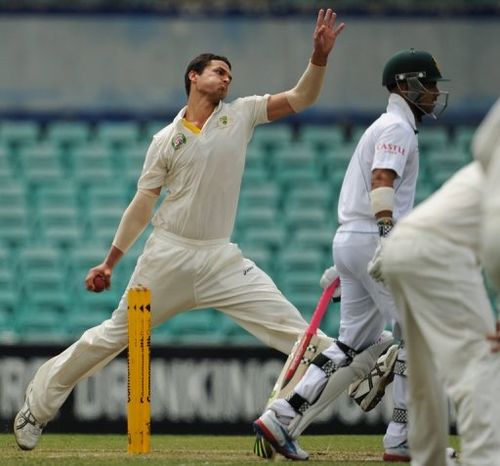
column 428, row 98
column 214, row 81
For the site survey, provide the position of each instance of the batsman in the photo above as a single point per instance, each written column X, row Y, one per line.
column 378, row 190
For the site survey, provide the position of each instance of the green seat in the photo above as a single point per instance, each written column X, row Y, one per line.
column 312, row 217
column 234, row 334
column 41, row 164
column 322, row 137
column 433, row 139
column 270, row 237
column 40, row 326
column 336, row 160
column 12, row 195
column 69, row 133
column 60, row 225
column 318, row 195
column 6, row 170
column 93, row 165
column 102, row 223
column 14, row 228
column 192, row 324
column 256, row 216
column 253, row 175
column 260, row 254
column 9, row 288
column 78, row 322
column 264, row 193
column 309, row 260
column 270, row 137
column 131, row 160
column 306, row 237
column 463, row 137
column 19, row 132
column 114, row 196
column 331, row 320
column 118, row 133
column 63, row 194
column 152, row 127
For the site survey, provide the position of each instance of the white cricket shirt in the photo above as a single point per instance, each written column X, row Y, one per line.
column 202, row 171
column 391, row 143
column 454, row 211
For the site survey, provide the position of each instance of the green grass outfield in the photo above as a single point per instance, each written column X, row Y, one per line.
column 110, row 450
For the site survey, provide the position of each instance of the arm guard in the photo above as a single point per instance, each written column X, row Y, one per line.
column 307, row 89
column 134, row 219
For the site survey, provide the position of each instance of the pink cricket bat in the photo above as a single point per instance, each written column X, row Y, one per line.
column 311, row 330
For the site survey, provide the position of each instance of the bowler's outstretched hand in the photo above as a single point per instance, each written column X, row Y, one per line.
column 325, row 35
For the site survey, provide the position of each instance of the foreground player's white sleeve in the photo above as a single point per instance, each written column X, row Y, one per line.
column 487, row 137
column 490, row 225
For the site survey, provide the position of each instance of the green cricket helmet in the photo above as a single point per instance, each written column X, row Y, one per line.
column 417, row 68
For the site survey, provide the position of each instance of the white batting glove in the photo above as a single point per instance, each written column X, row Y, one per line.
column 328, row 277
column 375, row 265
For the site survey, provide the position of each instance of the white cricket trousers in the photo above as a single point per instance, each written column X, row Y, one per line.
column 446, row 314
column 182, row 274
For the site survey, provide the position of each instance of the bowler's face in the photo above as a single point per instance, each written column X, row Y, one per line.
column 214, row 81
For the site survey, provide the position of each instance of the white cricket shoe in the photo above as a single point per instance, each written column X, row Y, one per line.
column 399, row 454
column 452, row 457
column 277, row 435
column 27, row 429
column 368, row 391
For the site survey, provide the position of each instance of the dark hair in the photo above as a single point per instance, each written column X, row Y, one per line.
column 198, row 64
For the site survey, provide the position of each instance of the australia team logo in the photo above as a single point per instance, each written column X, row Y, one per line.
column 178, row 140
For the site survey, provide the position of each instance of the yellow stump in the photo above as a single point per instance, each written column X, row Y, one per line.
column 139, row 370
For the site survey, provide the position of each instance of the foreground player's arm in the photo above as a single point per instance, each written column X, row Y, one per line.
column 309, row 86
column 134, row 220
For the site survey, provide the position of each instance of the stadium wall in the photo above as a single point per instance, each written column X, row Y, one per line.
column 134, row 64
column 195, row 390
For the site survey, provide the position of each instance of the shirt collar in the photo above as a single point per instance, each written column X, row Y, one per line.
column 398, row 104
column 182, row 112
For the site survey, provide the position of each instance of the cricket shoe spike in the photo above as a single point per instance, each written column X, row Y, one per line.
column 277, row 435
column 263, row 448
column 27, row 430
column 368, row 391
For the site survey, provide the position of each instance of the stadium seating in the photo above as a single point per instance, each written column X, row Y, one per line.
column 65, row 184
